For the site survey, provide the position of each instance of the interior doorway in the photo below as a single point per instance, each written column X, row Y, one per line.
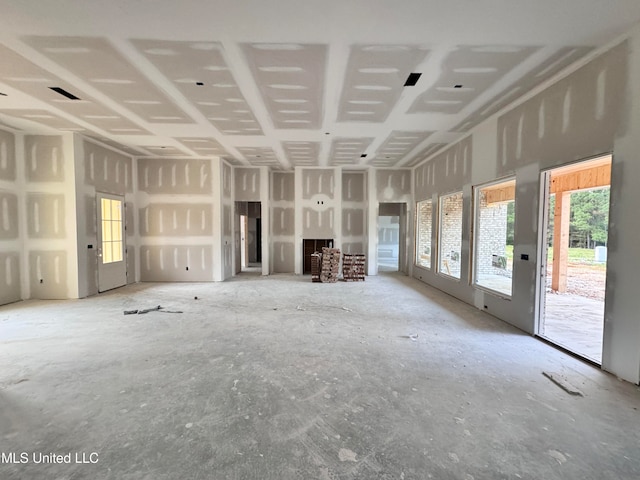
column 573, row 256
column 112, row 265
column 250, row 217
column 391, row 235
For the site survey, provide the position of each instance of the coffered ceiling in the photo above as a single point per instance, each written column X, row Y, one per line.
column 286, row 83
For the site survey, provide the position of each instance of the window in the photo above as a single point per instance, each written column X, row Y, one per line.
column 112, row 242
column 423, row 233
column 450, row 235
column 495, row 217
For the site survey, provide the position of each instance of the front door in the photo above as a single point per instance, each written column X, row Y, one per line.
column 112, row 265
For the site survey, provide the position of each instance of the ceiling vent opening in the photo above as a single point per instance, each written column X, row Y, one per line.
column 64, row 93
column 412, row 79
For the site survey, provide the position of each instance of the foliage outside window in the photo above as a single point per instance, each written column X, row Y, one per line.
column 423, row 233
column 449, row 258
column 112, row 241
column 588, row 227
column 495, row 219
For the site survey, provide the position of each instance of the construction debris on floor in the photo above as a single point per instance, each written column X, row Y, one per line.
column 353, row 267
column 159, row 308
column 325, row 266
column 330, row 265
column 316, row 258
column 405, row 379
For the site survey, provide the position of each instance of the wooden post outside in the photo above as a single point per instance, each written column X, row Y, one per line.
column 561, row 241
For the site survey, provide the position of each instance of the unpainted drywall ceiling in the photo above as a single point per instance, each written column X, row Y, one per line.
column 289, row 83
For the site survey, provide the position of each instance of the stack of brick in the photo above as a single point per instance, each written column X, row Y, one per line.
column 316, row 258
column 353, row 267
column 330, row 265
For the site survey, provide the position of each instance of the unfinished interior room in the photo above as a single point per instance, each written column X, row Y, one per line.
column 329, row 240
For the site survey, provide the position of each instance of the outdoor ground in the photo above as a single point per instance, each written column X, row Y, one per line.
column 586, row 277
column 586, row 280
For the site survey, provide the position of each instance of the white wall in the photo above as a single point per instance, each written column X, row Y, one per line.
column 591, row 111
column 99, row 169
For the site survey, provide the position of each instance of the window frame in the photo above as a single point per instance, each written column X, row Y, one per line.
column 112, row 234
column 440, row 243
column 477, row 189
column 417, row 236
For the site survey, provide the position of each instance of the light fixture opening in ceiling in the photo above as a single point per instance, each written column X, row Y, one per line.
column 64, row 93
column 412, row 79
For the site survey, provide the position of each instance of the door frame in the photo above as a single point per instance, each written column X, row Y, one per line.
column 111, row 275
column 543, row 250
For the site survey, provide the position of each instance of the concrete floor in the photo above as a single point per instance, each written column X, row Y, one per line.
column 572, row 321
column 281, row 378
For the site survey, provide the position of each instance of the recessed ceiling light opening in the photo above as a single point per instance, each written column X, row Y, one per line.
column 64, row 93
column 412, row 79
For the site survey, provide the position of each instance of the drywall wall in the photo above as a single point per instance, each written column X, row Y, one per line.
column 354, row 212
column 393, row 185
column 10, row 234
column 247, row 184
column 586, row 113
column 101, row 170
column 320, row 201
column 48, row 185
column 50, row 206
column 282, row 222
column 227, row 220
column 621, row 353
column 318, row 211
column 179, row 219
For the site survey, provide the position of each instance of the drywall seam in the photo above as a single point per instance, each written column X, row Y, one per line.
column 80, row 217
column 282, row 209
column 218, row 227
column 372, row 222
column 337, row 186
column 135, row 238
column 298, row 221
column 22, row 217
column 73, row 284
